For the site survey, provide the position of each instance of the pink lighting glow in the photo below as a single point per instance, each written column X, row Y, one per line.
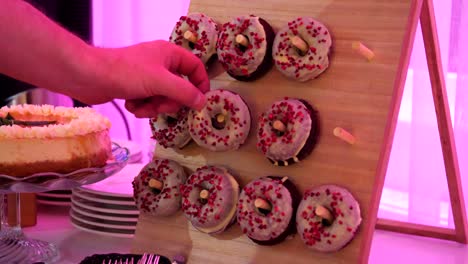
column 415, row 188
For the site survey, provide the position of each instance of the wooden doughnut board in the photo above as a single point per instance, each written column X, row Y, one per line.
column 360, row 96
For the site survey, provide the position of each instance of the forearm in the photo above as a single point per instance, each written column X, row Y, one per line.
column 36, row 50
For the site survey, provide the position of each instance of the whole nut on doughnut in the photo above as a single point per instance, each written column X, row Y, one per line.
column 244, row 47
column 209, row 199
column 197, row 33
column 267, row 209
column 328, row 218
column 301, row 49
column 171, row 131
column 156, row 189
column 223, row 124
column 288, row 131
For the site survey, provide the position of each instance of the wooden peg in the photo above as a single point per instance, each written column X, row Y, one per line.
column 262, row 204
column 363, row 50
column 325, row 214
column 190, row 36
column 220, row 118
column 204, row 194
column 278, row 125
column 155, row 184
column 344, row 135
column 300, row 44
column 242, row 40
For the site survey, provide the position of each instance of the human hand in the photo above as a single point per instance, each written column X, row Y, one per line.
column 148, row 77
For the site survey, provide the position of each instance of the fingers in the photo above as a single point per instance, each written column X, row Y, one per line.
column 185, row 63
column 151, row 107
column 180, row 90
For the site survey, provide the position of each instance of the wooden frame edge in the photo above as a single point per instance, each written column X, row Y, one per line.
column 407, row 47
column 447, row 140
column 416, row 229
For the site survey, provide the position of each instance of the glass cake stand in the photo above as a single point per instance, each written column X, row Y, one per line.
column 15, row 247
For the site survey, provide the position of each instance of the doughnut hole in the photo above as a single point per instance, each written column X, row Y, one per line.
column 171, row 121
column 204, row 195
column 324, row 215
column 299, row 52
column 243, row 48
column 155, row 186
column 278, row 127
column 263, row 206
column 191, row 45
column 219, row 121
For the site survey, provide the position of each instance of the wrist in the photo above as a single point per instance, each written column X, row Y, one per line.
column 92, row 75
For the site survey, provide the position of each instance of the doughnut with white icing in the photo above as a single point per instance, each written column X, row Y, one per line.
column 328, row 218
column 288, row 131
column 209, row 199
column 156, row 189
column 197, row 33
column 244, row 47
column 223, row 124
column 266, row 211
column 301, row 49
column 171, row 131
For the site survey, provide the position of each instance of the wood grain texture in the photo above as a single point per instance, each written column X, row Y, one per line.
column 447, row 138
column 359, row 96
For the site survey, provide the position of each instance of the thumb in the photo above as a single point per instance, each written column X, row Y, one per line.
column 182, row 91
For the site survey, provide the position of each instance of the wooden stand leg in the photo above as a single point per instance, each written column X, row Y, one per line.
column 447, row 140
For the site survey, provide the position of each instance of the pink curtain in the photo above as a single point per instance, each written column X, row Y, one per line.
column 118, row 23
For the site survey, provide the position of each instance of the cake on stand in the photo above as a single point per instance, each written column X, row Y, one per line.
column 15, row 247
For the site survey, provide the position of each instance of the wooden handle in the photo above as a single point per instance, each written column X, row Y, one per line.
column 262, row 204
column 363, row 50
column 300, row 44
column 242, row 40
column 344, row 135
column 324, row 213
column 278, row 125
column 153, row 183
column 204, row 194
column 190, row 36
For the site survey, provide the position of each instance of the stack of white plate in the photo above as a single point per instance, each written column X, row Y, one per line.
column 62, row 197
column 135, row 150
column 59, row 198
column 107, row 207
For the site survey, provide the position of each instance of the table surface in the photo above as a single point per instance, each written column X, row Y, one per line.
column 54, row 226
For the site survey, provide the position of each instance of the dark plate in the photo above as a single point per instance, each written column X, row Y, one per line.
column 99, row 259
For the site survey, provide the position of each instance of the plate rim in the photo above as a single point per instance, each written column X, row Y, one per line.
column 82, row 211
column 98, row 232
column 129, row 227
column 82, row 194
column 106, row 210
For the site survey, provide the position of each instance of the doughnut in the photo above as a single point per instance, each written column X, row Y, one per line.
column 171, row 130
column 197, row 33
column 156, row 189
column 223, row 124
column 288, row 131
column 209, row 199
column 301, row 49
column 328, row 218
column 244, row 47
column 266, row 210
